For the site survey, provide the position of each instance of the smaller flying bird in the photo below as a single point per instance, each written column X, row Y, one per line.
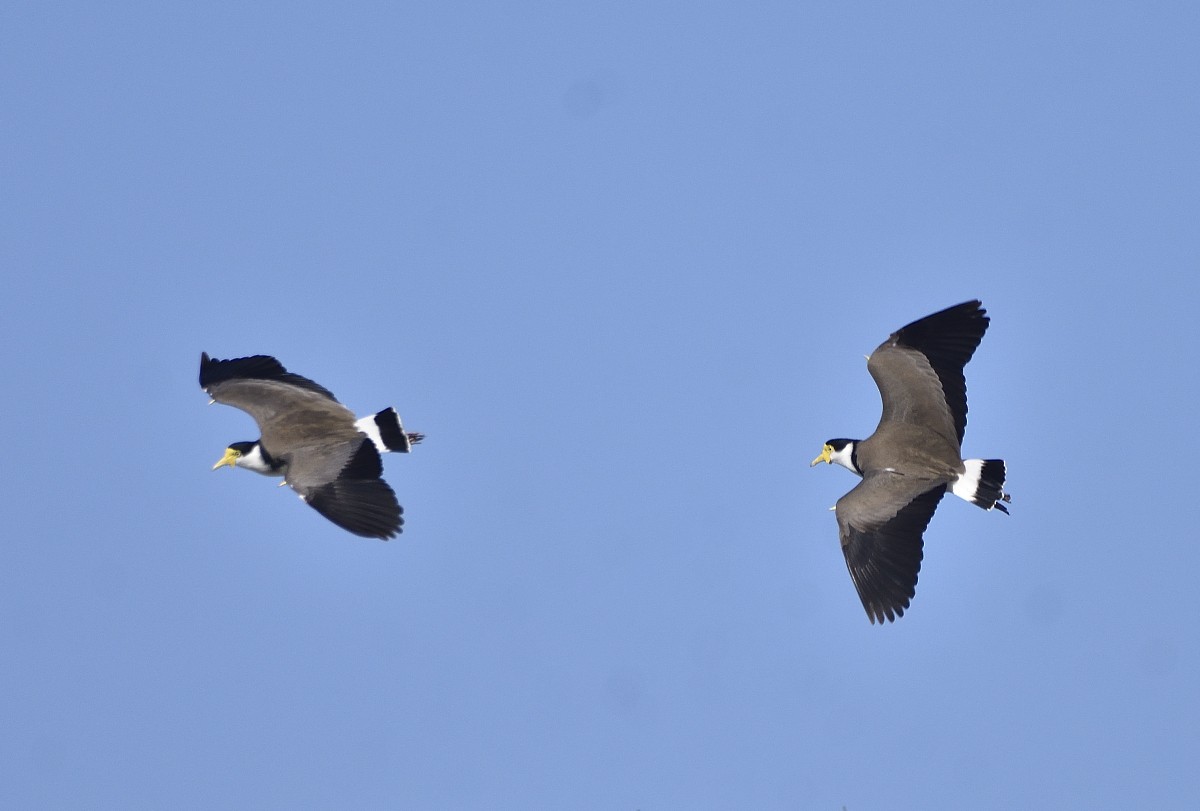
column 912, row 458
column 330, row 458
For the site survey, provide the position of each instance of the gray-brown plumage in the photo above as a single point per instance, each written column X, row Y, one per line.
column 913, row 457
column 310, row 439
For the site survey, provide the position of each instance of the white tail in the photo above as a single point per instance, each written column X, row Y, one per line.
column 982, row 484
column 387, row 432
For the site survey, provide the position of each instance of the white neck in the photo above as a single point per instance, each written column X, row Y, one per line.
column 253, row 460
column 844, row 457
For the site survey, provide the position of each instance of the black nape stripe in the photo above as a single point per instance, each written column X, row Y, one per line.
column 271, row 462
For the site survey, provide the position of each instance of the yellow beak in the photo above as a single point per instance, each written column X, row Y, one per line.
column 230, row 458
column 824, row 457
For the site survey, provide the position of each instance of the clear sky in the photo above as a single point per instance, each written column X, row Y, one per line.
column 621, row 263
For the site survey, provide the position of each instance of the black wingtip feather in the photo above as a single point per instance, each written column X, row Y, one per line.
column 949, row 338
column 950, row 335
column 366, row 507
column 255, row 367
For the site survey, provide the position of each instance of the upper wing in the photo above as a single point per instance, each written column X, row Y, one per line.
column 290, row 410
column 880, row 523
column 256, row 367
column 342, row 483
column 919, row 368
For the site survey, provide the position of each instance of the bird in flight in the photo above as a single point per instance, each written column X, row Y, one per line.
column 913, row 457
column 322, row 451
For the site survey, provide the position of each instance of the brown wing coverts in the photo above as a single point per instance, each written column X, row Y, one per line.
column 948, row 339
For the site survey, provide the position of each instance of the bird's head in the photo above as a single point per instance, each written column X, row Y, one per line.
column 841, row 452
column 251, row 456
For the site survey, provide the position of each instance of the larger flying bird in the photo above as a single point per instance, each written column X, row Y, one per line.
column 330, row 458
column 913, row 457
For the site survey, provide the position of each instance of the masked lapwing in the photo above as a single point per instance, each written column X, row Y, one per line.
column 913, row 457
column 330, row 458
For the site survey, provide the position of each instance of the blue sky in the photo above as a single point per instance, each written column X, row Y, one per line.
column 620, row 262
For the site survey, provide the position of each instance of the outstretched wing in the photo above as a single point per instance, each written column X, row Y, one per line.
column 880, row 524
column 919, row 369
column 343, row 484
column 255, row 367
column 290, row 410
